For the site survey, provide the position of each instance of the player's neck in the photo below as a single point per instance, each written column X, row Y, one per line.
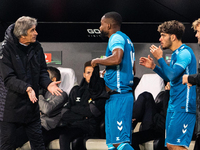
column 176, row 45
column 114, row 30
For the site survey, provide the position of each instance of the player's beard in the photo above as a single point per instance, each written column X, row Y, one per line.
column 168, row 44
column 104, row 35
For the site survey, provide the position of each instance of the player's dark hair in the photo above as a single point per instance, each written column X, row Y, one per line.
column 116, row 17
column 172, row 27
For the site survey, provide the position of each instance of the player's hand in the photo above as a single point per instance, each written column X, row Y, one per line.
column 94, row 62
column 156, row 51
column 147, row 62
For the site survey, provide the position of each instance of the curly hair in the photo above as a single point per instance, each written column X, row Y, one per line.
column 172, row 27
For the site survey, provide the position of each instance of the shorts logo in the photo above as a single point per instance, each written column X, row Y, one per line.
column 184, row 130
column 120, row 127
column 178, row 141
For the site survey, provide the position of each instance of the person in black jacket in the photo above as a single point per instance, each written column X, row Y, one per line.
column 22, row 69
column 84, row 110
column 50, row 109
column 194, row 79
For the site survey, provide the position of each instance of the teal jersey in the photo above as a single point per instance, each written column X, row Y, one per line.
column 120, row 77
column 183, row 61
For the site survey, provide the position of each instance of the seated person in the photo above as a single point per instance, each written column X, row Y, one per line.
column 152, row 116
column 50, row 108
column 84, row 111
column 51, row 105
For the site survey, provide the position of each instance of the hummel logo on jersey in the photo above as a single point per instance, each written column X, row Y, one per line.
column 117, row 138
column 119, row 123
column 184, row 130
column 78, row 99
column 185, row 126
column 178, row 140
column 120, row 127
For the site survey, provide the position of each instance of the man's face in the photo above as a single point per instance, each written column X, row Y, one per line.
column 197, row 35
column 165, row 40
column 104, row 28
column 88, row 73
column 31, row 36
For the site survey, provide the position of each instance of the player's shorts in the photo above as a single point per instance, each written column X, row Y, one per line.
column 118, row 118
column 179, row 128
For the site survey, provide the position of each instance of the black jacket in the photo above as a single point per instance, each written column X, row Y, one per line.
column 195, row 80
column 50, row 108
column 20, row 67
column 86, row 104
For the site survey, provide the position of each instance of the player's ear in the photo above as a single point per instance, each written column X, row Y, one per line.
column 109, row 26
column 173, row 37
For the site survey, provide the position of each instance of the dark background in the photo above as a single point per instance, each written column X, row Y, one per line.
column 68, row 20
column 72, row 26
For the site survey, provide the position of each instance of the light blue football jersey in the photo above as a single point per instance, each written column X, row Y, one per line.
column 183, row 61
column 120, row 77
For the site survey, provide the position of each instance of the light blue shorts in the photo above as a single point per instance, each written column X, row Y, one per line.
column 118, row 118
column 179, row 128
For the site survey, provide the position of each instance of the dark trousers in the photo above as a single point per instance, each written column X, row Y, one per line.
column 197, row 143
column 50, row 135
column 68, row 136
column 144, row 136
column 64, row 134
column 144, row 109
column 8, row 135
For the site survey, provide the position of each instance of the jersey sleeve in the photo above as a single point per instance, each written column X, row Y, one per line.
column 117, row 41
column 183, row 59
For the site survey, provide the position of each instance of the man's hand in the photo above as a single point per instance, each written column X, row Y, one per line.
column 156, row 51
column 147, row 62
column 31, row 94
column 54, row 89
column 133, row 120
column 102, row 72
column 189, row 85
column 167, row 87
column 94, row 62
column 185, row 79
